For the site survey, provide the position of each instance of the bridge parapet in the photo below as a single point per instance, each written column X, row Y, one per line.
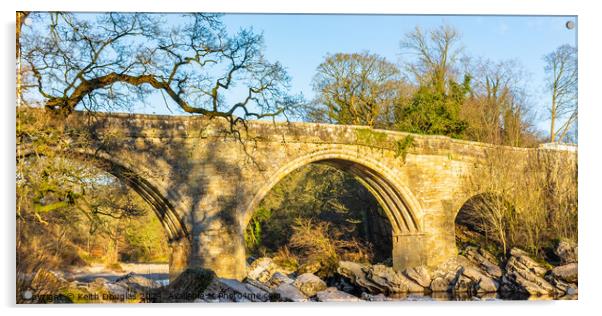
column 195, row 127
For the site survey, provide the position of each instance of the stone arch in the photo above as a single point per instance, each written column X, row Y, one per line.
column 400, row 206
column 482, row 199
column 469, row 199
column 177, row 233
column 163, row 208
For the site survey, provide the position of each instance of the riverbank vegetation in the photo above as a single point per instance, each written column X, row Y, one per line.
column 72, row 214
column 530, row 203
column 316, row 216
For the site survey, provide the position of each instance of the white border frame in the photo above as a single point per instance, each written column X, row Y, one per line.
column 590, row 112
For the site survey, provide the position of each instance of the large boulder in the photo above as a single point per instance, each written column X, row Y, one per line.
column 390, row 280
column 188, row 286
column 523, row 274
column 377, row 278
column 289, row 293
column 279, row 278
column 523, row 259
column 261, row 269
column 562, row 287
column 445, row 276
column 564, row 278
column 484, row 260
column 568, row 273
column 356, row 275
column 114, row 292
column 462, row 284
column 461, row 275
column 230, row 290
column 479, row 280
column 137, row 283
column 441, row 284
column 331, row 294
column 419, row 274
column 262, row 286
column 309, row 284
column 567, row 252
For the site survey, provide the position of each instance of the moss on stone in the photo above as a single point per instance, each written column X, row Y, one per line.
column 371, row 137
column 402, row 146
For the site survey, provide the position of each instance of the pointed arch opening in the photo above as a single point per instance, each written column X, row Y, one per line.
column 398, row 208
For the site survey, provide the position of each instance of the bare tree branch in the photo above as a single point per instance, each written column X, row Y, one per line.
column 105, row 61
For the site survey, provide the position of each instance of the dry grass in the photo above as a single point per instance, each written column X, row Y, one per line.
column 318, row 243
column 529, row 203
column 286, row 259
column 33, row 271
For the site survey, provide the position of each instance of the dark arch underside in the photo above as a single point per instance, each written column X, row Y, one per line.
column 162, row 207
column 402, row 220
column 164, row 210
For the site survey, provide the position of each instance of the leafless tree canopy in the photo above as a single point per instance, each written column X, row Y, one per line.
column 107, row 61
column 358, row 88
column 436, row 52
column 499, row 108
column 561, row 70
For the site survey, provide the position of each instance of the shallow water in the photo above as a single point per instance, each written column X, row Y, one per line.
column 154, row 271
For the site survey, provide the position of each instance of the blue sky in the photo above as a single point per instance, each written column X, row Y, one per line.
column 300, row 42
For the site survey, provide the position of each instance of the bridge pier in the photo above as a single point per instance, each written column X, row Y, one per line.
column 408, row 251
column 221, row 248
column 178, row 257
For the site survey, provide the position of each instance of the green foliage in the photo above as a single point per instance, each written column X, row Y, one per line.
column 434, row 112
column 402, row 146
column 144, row 241
column 354, row 89
column 487, row 104
column 253, row 231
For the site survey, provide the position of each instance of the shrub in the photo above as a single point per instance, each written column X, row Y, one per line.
column 528, row 203
column 286, row 259
column 317, row 242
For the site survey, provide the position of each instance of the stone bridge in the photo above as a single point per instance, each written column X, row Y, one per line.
column 204, row 183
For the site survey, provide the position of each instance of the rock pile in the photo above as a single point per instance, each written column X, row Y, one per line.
column 475, row 274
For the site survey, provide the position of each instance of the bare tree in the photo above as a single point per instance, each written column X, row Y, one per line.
column 498, row 109
column 109, row 60
column 357, row 88
column 436, row 52
column 561, row 70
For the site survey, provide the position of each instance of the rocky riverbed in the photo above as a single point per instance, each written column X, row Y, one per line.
column 474, row 275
